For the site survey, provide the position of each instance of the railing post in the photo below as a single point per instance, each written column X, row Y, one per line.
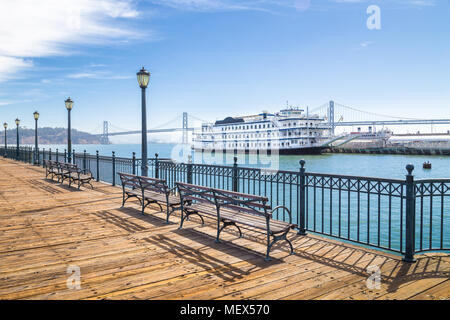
column 65, row 155
column 43, row 157
column 235, row 175
column 113, row 168
column 133, row 163
column 57, row 155
column 50, row 154
column 410, row 215
column 156, row 166
column 73, row 157
column 302, row 218
column 189, row 170
column 98, row 165
column 84, row 159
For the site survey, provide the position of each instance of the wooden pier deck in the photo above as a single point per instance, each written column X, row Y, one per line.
column 46, row 228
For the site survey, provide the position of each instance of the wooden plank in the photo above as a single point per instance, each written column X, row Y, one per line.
column 125, row 255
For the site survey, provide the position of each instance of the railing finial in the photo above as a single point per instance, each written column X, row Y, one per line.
column 302, row 163
column 410, row 168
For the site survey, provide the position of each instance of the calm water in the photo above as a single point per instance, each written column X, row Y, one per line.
column 384, row 166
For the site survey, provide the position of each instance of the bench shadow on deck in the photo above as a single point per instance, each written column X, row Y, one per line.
column 235, row 268
column 400, row 273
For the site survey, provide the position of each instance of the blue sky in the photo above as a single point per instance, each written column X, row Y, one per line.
column 215, row 58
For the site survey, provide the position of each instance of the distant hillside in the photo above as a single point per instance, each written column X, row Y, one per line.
column 48, row 136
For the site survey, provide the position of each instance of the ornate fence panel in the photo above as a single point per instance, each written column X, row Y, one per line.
column 432, row 214
column 365, row 210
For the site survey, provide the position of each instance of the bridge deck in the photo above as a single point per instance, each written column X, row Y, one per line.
column 45, row 228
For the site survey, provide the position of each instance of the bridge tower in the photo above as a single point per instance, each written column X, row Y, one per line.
column 331, row 117
column 185, row 126
column 104, row 138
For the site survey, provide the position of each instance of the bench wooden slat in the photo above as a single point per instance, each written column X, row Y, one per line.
column 148, row 190
column 233, row 208
column 249, row 219
column 68, row 171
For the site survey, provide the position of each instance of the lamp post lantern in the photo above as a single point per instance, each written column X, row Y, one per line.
column 17, row 131
column 5, row 125
column 69, row 106
column 36, row 151
column 143, row 77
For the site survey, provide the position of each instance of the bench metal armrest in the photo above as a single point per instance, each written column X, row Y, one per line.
column 284, row 208
column 171, row 191
column 87, row 171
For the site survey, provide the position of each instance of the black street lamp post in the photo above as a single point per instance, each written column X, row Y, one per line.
column 17, row 131
column 36, row 151
column 69, row 106
column 5, row 125
column 143, row 77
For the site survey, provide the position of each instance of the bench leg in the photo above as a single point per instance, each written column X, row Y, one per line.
column 148, row 202
column 276, row 238
column 185, row 216
column 168, row 211
column 218, row 231
column 124, row 199
column 87, row 182
column 229, row 223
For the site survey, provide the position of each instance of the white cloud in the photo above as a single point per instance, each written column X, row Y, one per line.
column 81, row 75
column 5, row 103
column 365, row 44
column 98, row 75
column 418, row 3
column 30, row 29
column 220, row 5
column 9, row 66
column 423, row 3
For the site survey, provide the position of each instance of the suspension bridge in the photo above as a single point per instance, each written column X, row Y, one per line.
column 336, row 115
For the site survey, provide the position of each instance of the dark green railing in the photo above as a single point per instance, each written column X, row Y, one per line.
column 405, row 216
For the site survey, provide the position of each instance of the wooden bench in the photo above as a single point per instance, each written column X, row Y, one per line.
column 149, row 190
column 73, row 174
column 51, row 168
column 233, row 209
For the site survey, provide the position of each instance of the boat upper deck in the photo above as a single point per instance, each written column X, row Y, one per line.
column 46, row 228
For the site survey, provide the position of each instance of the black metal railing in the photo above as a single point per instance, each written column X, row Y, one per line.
column 405, row 216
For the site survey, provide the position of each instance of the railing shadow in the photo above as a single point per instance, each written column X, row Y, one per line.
column 398, row 271
column 433, row 268
column 340, row 256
